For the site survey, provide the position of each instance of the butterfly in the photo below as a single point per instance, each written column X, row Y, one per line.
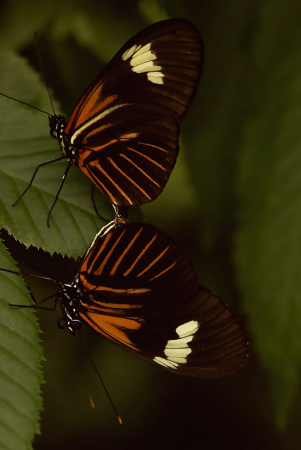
column 135, row 287
column 123, row 133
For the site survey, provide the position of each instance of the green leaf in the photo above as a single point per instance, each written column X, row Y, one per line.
column 178, row 198
column 24, row 144
column 92, row 27
column 20, row 359
column 152, row 10
column 216, row 118
column 18, row 23
column 268, row 244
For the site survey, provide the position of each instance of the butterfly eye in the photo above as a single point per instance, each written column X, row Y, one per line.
column 61, row 324
column 53, row 122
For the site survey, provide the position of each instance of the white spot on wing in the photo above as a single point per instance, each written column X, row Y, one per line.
column 140, row 59
column 177, row 360
column 143, row 49
column 148, row 66
column 164, row 362
column 177, row 352
column 187, row 329
column 155, row 77
column 128, row 53
column 179, row 343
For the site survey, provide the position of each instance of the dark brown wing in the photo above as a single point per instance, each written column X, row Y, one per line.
column 135, row 270
column 141, row 292
column 126, row 123
column 201, row 338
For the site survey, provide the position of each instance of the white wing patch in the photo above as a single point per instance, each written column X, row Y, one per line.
column 142, row 61
column 187, row 329
column 179, row 343
column 155, row 77
column 177, row 350
column 164, row 362
column 128, row 53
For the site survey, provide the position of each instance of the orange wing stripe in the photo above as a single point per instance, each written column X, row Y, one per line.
column 130, row 179
column 114, row 184
column 100, row 251
column 137, row 167
column 86, row 261
column 100, row 268
column 163, row 271
column 126, row 137
column 81, row 105
column 149, row 159
column 82, row 152
column 153, row 262
column 140, row 256
column 120, row 291
column 125, row 252
column 96, row 181
column 114, row 328
column 155, row 146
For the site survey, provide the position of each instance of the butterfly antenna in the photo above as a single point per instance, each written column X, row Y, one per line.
column 87, row 378
column 57, row 282
column 94, row 367
column 42, row 70
column 37, row 269
column 24, row 103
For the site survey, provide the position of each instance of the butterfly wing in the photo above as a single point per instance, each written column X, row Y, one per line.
column 141, row 292
column 126, row 123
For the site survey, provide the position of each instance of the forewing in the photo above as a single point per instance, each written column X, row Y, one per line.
column 126, row 123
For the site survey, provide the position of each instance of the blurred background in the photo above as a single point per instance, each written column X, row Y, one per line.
column 232, row 203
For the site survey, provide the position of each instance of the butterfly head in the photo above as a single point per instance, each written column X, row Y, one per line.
column 70, row 300
column 57, row 126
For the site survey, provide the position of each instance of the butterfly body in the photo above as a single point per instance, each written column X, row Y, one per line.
column 70, row 301
column 57, row 125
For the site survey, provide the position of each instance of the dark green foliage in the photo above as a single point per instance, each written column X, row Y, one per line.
column 232, row 203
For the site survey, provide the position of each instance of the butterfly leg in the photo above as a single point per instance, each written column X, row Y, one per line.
column 35, row 172
column 121, row 214
column 94, row 204
column 58, row 192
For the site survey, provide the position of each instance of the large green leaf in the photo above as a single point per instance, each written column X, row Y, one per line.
column 19, row 21
column 268, row 250
column 24, row 144
column 92, row 28
column 20, row 358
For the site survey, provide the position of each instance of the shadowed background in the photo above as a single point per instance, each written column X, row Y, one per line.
column 232, row 203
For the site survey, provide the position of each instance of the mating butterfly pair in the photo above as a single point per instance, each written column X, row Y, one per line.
column 134, row 285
